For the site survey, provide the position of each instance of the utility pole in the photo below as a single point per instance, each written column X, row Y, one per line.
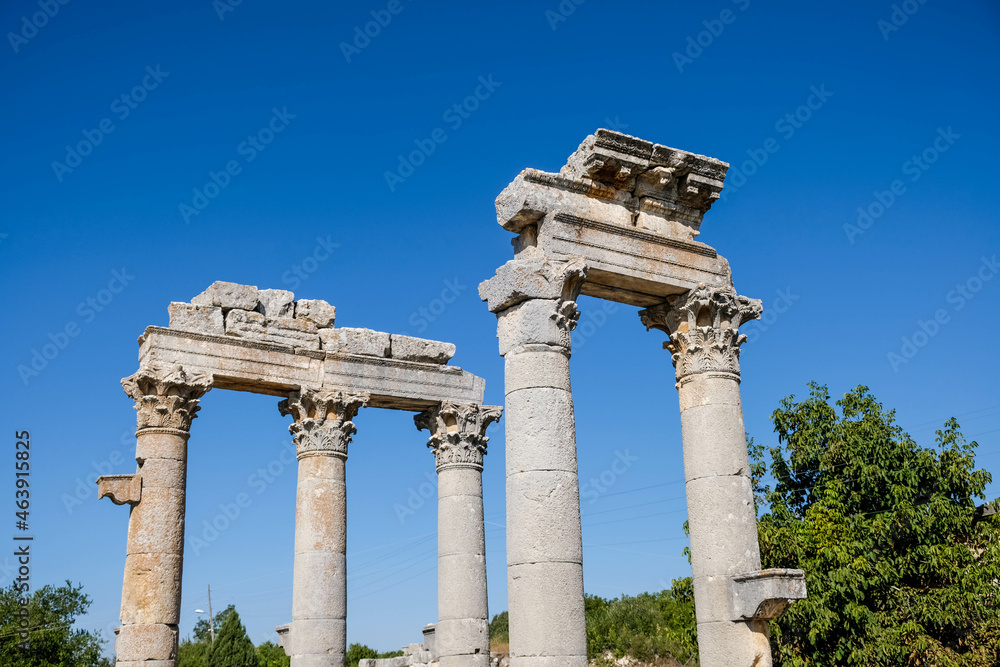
column 211, row 619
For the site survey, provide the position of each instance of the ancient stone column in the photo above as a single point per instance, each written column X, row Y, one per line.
column 166, row 400
column 534, row 299
column 458, row 438
column 703, row 326
column 322, row 431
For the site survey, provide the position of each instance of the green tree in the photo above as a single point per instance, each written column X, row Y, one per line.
column 52, row 641
column 202, row 633
column 193, row 654
column 646, row 627
column 901, row 569
column 232, row 647
column 358, row 652
column 270, row 654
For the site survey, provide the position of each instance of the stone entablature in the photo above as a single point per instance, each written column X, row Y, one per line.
column 629, row 208
column 398, row 372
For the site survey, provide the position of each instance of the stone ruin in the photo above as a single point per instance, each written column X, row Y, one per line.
column 263, row 341
column 618, row 222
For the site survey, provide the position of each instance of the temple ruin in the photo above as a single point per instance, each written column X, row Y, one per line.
column 618, row 222
column 263, row 341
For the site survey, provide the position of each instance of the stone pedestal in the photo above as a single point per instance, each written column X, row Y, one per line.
column 703, row 326
column 534, row 299
column 461, row 635
column 166, row 399
column 322, row 432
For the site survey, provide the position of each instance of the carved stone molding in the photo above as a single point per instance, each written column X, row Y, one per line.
column 323, row 425
column 703, row 326
column 458, row 433
column 121, row 489
column 166, row 397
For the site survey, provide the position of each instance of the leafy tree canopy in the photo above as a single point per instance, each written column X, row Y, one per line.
column 232, row 647
column 901, row 567
column 52, row 641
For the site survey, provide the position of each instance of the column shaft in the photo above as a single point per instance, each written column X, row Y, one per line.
column 151, row 591
column 462, row 637
column 319, row 592
column 721, row 517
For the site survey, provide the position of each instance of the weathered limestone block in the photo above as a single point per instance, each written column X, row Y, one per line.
column 408, row 348
column 274, row 303
column 202, row 319
column 320, row 312
column 356, row 341
column 146, row 642
column 533, row 278
column 294, row 332
column 228, row 296
column 246, row 324
column 765, row 594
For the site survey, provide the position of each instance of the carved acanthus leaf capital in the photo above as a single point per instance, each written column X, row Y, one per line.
column 703, row 328
column 166, row 396
column 458, row 432
column 322, row 417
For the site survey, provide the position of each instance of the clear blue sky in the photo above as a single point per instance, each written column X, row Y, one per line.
column 887, row 96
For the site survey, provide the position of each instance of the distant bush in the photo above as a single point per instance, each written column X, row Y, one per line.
column 644, row 627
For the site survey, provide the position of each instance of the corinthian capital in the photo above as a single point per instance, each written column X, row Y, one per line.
column 458, row 433
column 322, row 423
column 703, row 326
column 166, row 397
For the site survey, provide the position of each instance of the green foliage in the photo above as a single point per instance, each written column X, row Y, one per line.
column 52, row 612
column 644, row 627
column 192, row 654
column 270, row 654
column 232, row 646
column 899, row 569
column 202, row 632
column 358, row 652
column 500, row 628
